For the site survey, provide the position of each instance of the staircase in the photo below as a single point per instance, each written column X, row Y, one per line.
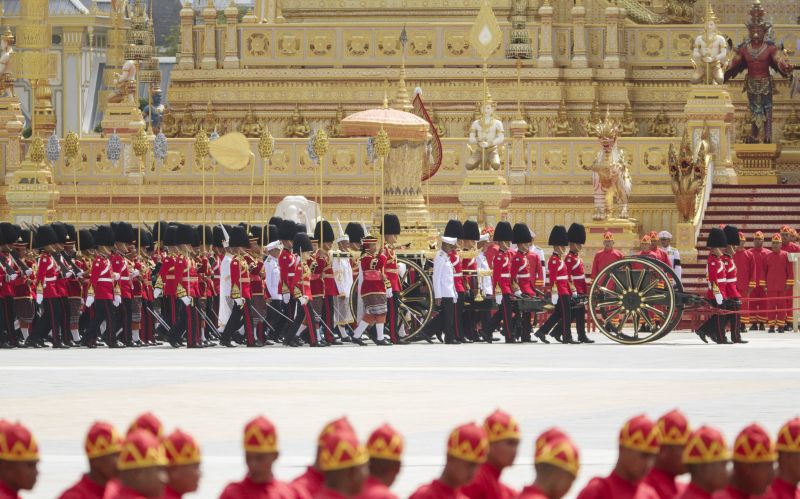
column 750, row 208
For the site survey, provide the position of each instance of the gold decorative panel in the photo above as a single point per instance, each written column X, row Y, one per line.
column 321, row 43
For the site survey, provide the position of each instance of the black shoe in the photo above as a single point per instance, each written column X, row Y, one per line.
column 116, row 345
column 335, row 342
column 451, row 342
column 754, row 327
column 60, row 346
column 383, row 343
column 739, row 340
column 569, row 341
column 267, row 343
column 702, row 335
column 199, row 345
column 466, row 340
column 511, row 340
column 542, row 337
column 771, row 329
column 584, row 339
column 557, row 337
column 723, row 340
column 32, row 344
column 427, row 337
column 359, row 342
column 91, row 345
column 761, row 326
column 439, row 337
column 528, row 339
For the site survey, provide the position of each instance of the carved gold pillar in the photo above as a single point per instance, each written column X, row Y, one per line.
column 260, row 10
column 546, row 36
column 519, row 166
column 231, row 38
column 209, row 14
column 579, row 35
column 710, row 107
column 34, row 38
column 611, row 59
column 186, row 53
column 72, row 71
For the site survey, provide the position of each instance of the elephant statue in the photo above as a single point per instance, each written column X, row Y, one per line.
column 299, row 210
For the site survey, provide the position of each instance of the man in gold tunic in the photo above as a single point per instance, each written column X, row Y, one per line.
column 610, row 176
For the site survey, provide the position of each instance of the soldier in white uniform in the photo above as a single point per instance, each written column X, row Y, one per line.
column 485, row 283
column 674, row 255
column 272, row 281
column 342, row 264
column 444, row 290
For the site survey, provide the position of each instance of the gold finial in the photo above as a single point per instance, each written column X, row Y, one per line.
column 608, row 128
column 710, row 16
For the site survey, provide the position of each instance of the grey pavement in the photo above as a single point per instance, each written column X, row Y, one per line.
column 423, row 390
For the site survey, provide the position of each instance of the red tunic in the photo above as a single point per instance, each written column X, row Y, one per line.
column 247, row 489
column 119, row 491
column 47, row 273
column 327, row 493
column 458, row 271
column 194, row 279
column 662, row 255
column 165, row 278
column 6, row 493
column 374, row 281
column 375, row 489
column 778, row 271
column 781, row 489
column 758, row 261
column 309, row 483
column 663, row 483
column 716, row 277
column 730, row 493
column 614, row 487
column 692, row 491
column 437, row 490
column 215, row 271
column 487, row 485
column 392, row 273
column 101, row 279
column 170, row 493
column 287, row 263
column 603, row 259
column 791, row 247
column 521, row 273
column 745, row 271
column 317, row 264
column 532, row 492
column 240, row 278
column 577, row 273
column 501, row 273
column 331, row 288
column 537, row 271
column 86, row 488
column 255, row 268
column 731, row 290
column 470, row 270
column 557, row 275
column 119, row 264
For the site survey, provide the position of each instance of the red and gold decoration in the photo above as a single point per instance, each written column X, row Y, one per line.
column 754, row 445
column 674, row 428
column 468, row 442
column 556, row 448
column 385, row 443
column 641, row 434
column 706, row 445
column 334, row 426
column 789, row 437
column 181, row 448
column 340, row 449
column 103, row 439
column 500, row 425
column 141, row 450
column 260, row 436
column 17, row 443
column 149, row 422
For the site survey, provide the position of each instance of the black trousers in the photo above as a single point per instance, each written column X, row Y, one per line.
column 50, row 320
column 302, row 315
column 447, row 312
column 732, row 320
column 579, row 316
column 240, row 316
column 504, row 314
column 393, row 316
column 559, row 322
column 328, row 319
column 276, row 321
column 104, row 311
column 714, row 326
column 188, row 320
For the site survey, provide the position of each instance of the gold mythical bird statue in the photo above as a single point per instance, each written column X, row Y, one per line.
column 688, row 173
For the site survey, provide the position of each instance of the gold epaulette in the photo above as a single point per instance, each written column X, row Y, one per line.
column 180, row 291
column 39, row 288
column 159, row 282
column 235, row 292
column 90, row 290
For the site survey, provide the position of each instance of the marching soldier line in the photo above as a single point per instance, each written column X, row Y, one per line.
column 652, row 456
column 126, row 286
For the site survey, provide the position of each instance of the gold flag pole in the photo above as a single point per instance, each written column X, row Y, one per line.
column 250, row 203
column 382, row 145
column 320, row 146
column 266, row 147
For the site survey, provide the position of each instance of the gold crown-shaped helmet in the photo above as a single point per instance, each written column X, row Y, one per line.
column 607, row 128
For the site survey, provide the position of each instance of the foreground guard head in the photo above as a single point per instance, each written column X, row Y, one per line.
column 558, row 238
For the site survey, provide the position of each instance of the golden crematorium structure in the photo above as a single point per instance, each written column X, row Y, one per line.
column 515, row 92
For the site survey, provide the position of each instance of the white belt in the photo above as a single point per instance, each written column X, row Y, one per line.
column 290, row 275
column 104, row 279
column 523, row 275
column 578, row 277
column 505, row 275
column 50, row 279
column 562, row 278
column 458, row 275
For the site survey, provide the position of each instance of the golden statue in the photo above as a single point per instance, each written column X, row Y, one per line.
column 188, row 126
column 169, row 125
column 688, row 174
column 791, row 129
column 336, row 129
column 209, row 121
column 476, row 115
column 124, row 83
column 661, row 126
column 486, row 137
column 610, row 176
column 561, row 125
column 298, row 128
column 437, row 123
column 594, row 119
column 250, row 126
column 710, row 53
column 7, row 76
column 533, row 126
column 628, row 123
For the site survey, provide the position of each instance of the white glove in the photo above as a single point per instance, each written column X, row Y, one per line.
column 718, row 297
column 117, row 300
column 69, row 274
column 186, row 300
column 498, row 298
column 11, row 277
column 89, row 301
column 135, row 273
column 554, row 298
column 28, row 272
column 285, row 297
column 389, row 293
column 574, row 294
column 303, row 301
column 239, row 302
column 156, row 292
column 518, row 293
column 80, row 275
column 39, row 298
column 116, row 275
column 455, row 298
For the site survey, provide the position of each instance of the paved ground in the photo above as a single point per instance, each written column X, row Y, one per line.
column 423, row 390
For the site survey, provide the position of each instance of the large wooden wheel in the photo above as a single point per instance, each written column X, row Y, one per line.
column 416, row 298
column 633, row 300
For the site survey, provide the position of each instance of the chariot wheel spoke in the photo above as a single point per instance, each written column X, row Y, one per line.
column 608, row 303
column 629, row 277
column 641, row 281
column 616, row 280
column 650, row 324
column 656, row 311
column 651, row 298
column 649, row 287
column 610, row 292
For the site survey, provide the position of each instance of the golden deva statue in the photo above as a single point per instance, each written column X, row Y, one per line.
column 710, row 53
column 661, row 126
column 628, row 123
column 610, row 176
column 7, row 76
column 336, row 129
column 169, row 125
column 250, row 126
column 124, row 83
column 594, row 119
column 791, row 129
column 188, row 126
column 486, row 137
column 688, row 174
column 298, row 128
column 561, row 125
column 533, row 126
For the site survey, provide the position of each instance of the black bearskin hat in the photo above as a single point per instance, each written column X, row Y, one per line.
column 86, row 240
column 45, row 235
column 503, row 232
column 391, row 225
column 576, row 234
column 717, row 239
column 732, row 235
column 301, row 243
column 238, row 237
column 286, row 230
column 324, row 232
column 61, row 232
column 270, row 233
column 558, row 236
column 104, row 236
column 454, row 229
column 471, row 231
column 355, row 232
column 522, row 234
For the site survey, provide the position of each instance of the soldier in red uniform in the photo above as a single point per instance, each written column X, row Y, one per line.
column 164, row 287
column 391, row 232
column 8, row 274
column 467, row 447
column 706, row 457
column 469, row 264
column 100, row 295
column 558, row 282
column 501, row 282
column 605, row 256
column 260, row 452
column 758, row 306
column 254, row 259
column 385, row 448
column 556, row 461
column 504, row 435
column 312, row 480
column 525, row 268
column 576, row 235
column 787, row 240
column 745, row 278
column 103, row 445
column 788, row 236
column 669, row 466
column 733, row 303
column 121, row 266
column 141, row 468
column 72, row 287
column 62, row 282
column 48, row 294
column 343, row 463
column 454, row 230
column 19, row 458
column 187, row 291
column 23, row 291
column 373, row 289
column 239, row 291
column 183, row 465
column 639, row 442
column 323, row 284
column 287, row 263
column 753, row 464
column 305, row 317
column 784, row 486
column 717, row 287
column 778, row 280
